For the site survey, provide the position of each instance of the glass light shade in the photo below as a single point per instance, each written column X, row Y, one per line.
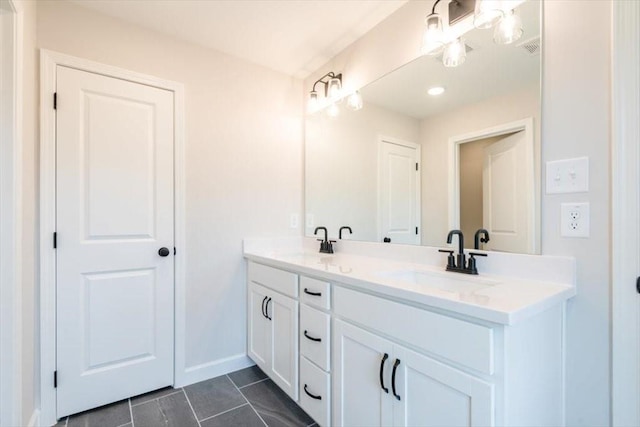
column 433, row 40
column 455, row 53
column 333, row 110
column 335, row 87
column 312, row 105
column 509, row 29
column 354, row 101
column 487, row 14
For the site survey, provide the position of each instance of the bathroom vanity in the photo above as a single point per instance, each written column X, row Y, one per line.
column 381, row 335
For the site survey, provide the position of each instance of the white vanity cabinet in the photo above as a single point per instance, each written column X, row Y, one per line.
column 380, row 383
column 273, row 324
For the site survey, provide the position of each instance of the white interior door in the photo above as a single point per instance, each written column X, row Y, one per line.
column 114, row 212
column 506, row 201
column 399, row 192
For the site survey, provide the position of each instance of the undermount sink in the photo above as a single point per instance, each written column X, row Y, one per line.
column 440, row 280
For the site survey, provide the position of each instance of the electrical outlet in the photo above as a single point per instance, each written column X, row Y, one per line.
column 574, row 219
column 293, row 220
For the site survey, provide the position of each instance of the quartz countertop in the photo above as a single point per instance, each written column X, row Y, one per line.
column 497, row 298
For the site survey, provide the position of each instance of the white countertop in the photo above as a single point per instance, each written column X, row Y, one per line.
column 498, row 298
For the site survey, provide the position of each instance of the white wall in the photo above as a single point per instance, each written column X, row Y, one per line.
column 243, row 159
column 342, row 166
column 435, row 134
column 575, row 120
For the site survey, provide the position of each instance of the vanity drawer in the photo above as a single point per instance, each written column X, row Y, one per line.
column 314, row 384
column 466, row 343
column 315, row 292
column 278, row 280
column 315, row 325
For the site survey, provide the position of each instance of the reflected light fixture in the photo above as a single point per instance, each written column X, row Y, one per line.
column 333, row 110
column 455, row 53
column 433, row 40
column 509, row 29
column 487, row 14
column 354, row 101
column 332, row 90
column 435, row 91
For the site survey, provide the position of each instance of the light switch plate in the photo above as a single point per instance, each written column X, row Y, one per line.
column 574, row 219
column 568, row 176
column 293, row 220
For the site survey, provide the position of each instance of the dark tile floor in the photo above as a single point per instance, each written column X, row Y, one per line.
column 242, row 398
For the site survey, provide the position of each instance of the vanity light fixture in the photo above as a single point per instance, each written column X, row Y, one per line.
column 509, row 29
column 488, row 13
column 455, row 53
column 354, row 101
column 435, row 91
column 433, row 40
column 332, row 90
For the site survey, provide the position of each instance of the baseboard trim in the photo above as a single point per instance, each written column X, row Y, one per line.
column 34, row 421
column 213, row 369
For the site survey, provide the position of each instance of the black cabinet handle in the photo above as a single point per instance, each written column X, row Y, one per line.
column 393, row 378
column 313, row 396
column 384, row 359
column 266, row 308
column 263, row 301
column 311, row 338
column 315, row 294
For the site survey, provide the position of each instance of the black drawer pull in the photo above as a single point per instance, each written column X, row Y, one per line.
column 311, row 338
column 315, row 294
column 393, row 378
column 384, row 359
column 263, row 301
column 313, row 396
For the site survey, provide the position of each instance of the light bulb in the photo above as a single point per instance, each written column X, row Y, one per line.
column 335, row 87
column 455, row 53
column 433, row 40
column 509, row 29
column 488, row 13
column 312, row 105
column 354, row 101
column 333, row 110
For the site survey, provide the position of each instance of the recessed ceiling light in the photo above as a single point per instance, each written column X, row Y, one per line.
column 435, row 91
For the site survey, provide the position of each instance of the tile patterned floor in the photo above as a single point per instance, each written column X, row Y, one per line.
column 242, row 398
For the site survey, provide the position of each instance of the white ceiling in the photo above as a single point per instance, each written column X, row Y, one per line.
column 292, row 36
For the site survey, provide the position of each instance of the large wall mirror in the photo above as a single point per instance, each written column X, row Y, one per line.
column 409, row 166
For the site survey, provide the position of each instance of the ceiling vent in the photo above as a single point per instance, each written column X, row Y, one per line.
column 531, row 46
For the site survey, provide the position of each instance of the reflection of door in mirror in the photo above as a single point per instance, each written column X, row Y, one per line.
column 398, row 191
column 493, row 182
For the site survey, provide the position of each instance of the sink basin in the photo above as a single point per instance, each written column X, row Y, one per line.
column 449, row 282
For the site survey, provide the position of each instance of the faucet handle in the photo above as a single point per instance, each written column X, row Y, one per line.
column 472, row 254
column 451, row 260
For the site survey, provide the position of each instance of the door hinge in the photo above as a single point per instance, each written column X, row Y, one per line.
column 55, row 240
column 55, row 379
column 55, row 100
column 174, row 250
column 638, row 284
column 416, row 166
column 416, row 230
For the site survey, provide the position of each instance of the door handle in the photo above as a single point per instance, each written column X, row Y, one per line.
column 164, row 252
column 393, row 378
column 312, row 338
column 315, row 294
column 266, row 308
column 384, row 359
column 263, row 301
column 386, row 240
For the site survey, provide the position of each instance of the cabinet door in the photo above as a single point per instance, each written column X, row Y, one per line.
column 434, row 394
column 360, row 373
column 283, row 312
column 259, row 344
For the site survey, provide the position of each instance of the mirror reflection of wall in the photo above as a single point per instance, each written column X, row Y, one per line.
column 497, row 84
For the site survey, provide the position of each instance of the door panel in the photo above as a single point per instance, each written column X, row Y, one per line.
column 436, row 395
column 359, row 399
column 259, row 328
column 398, row 193
column 284, row 365
column 114, row 211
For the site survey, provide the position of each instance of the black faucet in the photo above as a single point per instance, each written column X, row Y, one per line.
column 344, row 228
column 477, row 239
column 461, row 266
column 326, row 246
